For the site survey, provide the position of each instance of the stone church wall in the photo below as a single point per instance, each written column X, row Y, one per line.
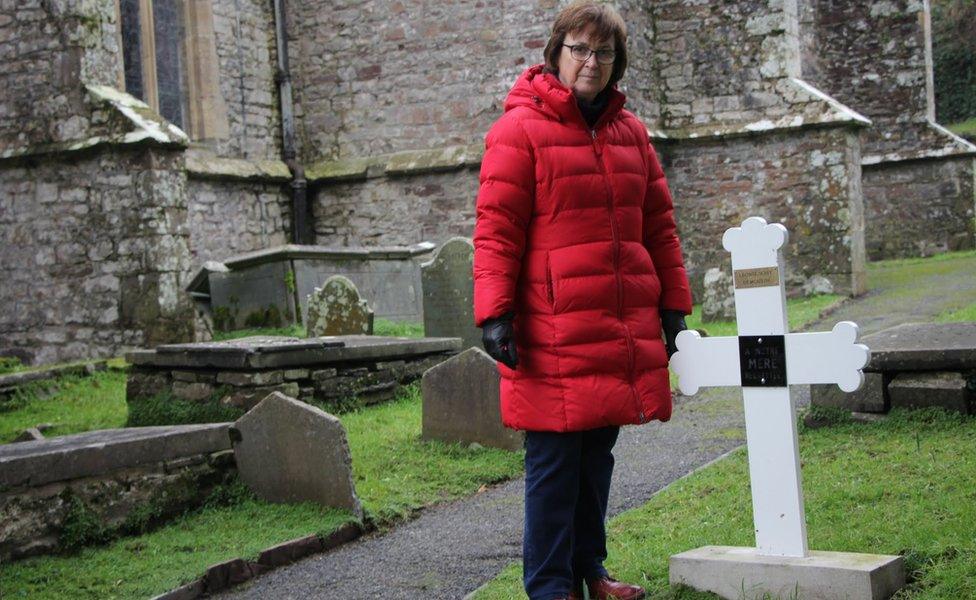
column 873, row 56
column 94, row 251
column 46, row 48
column 919, row 208
column 226, row 218
column 397, row 210
column 807, row 180
column 245, row 39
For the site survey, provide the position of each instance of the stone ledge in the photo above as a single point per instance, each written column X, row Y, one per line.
column 408, row 162
column 30, row 464
column 201, row 164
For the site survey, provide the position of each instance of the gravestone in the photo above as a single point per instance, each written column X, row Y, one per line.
column 448, row 286
column 461, row 402
column 289, row 451
column 765, row 359
column 336, row 309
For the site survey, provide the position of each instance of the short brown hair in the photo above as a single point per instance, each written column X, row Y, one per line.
column 577, row 17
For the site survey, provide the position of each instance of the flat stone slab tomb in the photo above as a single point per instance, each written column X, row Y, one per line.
column 243, row 372
column 108, row 474
column 915, row 365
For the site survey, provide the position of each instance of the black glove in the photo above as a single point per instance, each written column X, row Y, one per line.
column 498, row 338
column 673, row 323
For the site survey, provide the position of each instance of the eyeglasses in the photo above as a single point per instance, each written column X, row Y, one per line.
column 582, row 52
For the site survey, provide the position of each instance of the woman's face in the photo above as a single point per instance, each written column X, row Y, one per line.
column 586, row 78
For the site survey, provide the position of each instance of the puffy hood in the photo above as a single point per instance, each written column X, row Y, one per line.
column 544, row 92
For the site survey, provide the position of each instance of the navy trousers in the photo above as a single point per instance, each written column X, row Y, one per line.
column 567, row 483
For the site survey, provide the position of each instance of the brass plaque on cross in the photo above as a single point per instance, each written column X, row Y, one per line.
column 753, row 278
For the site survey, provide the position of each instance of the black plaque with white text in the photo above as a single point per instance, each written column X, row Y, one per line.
column 762, row 360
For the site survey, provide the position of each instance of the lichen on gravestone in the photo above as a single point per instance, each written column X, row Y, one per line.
column 336, row 308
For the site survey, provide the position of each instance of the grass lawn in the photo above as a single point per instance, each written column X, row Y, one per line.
column 966, row 313
column 396, row 473
column 904, row 486
column 965, row 128
column 71, row 404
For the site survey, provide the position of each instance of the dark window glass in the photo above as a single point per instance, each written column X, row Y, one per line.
column 169, row 31
column 132, row 48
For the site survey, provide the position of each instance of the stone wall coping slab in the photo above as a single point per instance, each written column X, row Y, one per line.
column 923, row 347
column 305, row 352
column 203, row 164
column 303, row 252
column 97, row 452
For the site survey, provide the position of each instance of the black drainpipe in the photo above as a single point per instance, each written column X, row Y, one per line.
column 301, row 221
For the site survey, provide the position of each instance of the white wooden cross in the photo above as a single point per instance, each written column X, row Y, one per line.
column 770, row 412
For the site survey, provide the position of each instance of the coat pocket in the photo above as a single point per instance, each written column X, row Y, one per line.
column 549, row 294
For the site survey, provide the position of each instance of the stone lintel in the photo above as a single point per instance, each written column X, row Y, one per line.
column 727, row 571
column 98, row 452
column 202, row 164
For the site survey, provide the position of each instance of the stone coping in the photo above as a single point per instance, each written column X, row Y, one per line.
column 143, row 126
column 923, row 347
column 204, row 164
column 268, row 352
column 954, row 146
column 98, row 452
column 310, row 252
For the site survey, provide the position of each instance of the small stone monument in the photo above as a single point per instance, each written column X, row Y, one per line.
column 448, row 286
column 461, row 402
column 289, row 451
column 764, row 359
column 336, row 309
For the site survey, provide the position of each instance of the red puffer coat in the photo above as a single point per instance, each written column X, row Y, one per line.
column 575, row 235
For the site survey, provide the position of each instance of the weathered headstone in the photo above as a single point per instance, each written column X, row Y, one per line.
column 765, row 360
column 336, row 309
column 289, row 451
column 448, row 285
column 461, row 402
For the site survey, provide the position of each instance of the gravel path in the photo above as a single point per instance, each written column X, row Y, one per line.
column 452, row 549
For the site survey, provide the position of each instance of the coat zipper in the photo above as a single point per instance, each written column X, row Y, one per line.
column 616, row 271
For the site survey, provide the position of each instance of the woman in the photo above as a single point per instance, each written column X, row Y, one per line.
column 576, row 264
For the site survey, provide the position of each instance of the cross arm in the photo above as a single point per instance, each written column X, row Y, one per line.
column 827, row 357
column 705, row 362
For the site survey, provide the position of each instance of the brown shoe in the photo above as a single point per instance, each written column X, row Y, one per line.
column 611, row 589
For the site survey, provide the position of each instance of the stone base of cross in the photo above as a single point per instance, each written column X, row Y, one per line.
column 765, row 359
